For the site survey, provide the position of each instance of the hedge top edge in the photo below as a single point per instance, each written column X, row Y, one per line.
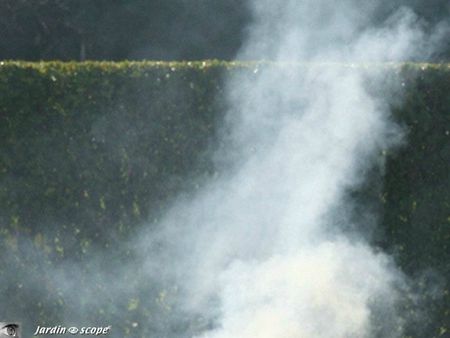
column 204, row 64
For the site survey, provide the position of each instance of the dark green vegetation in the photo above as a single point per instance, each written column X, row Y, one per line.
column 91, row 151
column 416, row 195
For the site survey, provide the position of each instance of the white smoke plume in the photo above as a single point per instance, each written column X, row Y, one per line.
column 260, row 251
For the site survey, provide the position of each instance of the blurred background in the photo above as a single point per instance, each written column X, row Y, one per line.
column 144, row 29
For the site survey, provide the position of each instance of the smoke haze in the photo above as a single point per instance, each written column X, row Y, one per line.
column 263, row 249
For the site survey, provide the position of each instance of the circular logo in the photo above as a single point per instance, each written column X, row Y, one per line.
column 72, row 330
column 9, row 330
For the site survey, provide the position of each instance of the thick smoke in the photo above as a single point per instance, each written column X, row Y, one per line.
column 261, row 251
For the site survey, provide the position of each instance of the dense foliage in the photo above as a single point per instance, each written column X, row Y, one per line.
column 91, row 150
column 416, row 195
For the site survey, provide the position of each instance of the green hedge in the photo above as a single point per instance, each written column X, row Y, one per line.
column 416, row 196
column 90, row 150
column 83, row 144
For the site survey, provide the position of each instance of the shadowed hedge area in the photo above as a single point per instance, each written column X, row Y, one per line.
column 91, row 151
column 94, row 147
column 416, row 195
